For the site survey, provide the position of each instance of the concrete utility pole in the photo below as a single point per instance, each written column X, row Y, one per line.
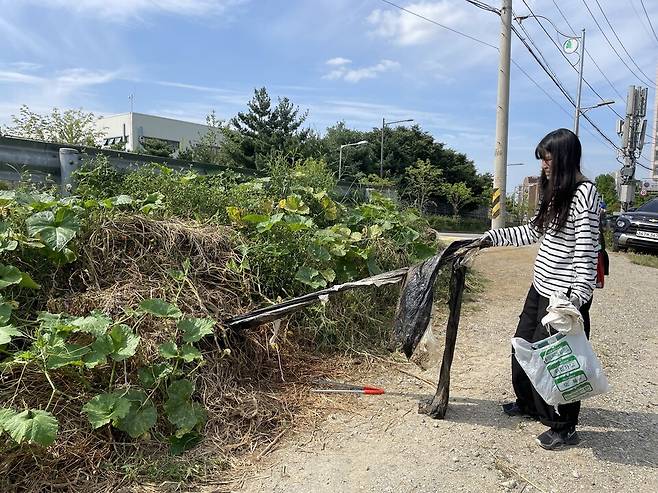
column 502, row 118
column 580, row 83
column 654, row 153
column 632, row 131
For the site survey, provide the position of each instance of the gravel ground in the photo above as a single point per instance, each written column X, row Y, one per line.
column 381, row 443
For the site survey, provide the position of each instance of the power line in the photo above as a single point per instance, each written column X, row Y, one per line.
column 649, row 19
column 620, row 42
column 644, row 26
column 537, row 49
column 560, row 86
column 484, row 6
column 473, row 38
column 612, row 46
column 553, row 77
column 589, row 55
column 651, row 139
column 539, row 86
column 567, row 59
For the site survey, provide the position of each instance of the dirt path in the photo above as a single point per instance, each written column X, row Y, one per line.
column 384, row 445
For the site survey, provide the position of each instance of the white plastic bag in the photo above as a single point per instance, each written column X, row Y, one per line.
column 561, row 315
column 563, row 367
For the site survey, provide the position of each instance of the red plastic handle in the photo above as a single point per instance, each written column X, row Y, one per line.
column 373, row 391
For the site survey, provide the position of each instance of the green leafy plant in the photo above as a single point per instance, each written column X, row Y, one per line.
column 31, row 426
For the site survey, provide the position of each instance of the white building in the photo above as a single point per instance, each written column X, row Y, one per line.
column 133, row 128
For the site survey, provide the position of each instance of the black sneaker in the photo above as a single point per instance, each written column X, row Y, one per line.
column 554, row 440
column 513, row 409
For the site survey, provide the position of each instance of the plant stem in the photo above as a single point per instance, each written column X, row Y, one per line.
column 114, row 367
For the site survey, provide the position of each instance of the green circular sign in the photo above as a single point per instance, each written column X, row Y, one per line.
column 570, row 45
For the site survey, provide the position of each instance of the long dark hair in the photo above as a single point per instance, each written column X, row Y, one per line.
column 557, row 191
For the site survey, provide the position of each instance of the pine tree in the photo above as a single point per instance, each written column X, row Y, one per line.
column 254, row 136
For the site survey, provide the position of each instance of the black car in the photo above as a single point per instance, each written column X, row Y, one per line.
column 638, row 228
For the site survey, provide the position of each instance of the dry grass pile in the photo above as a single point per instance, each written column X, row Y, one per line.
column 123, row 261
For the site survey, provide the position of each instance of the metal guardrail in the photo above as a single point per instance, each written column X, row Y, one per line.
column 59, row 161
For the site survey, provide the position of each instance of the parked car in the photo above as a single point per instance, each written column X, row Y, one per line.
column 637, row 228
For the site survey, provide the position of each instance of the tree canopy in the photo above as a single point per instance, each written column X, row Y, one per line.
column 72, row 126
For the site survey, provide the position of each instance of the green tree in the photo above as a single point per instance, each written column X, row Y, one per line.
column 254, row 136
column 73, row 126
column 207, row 149
column 605, row 184
column 356, row 160
column 422, row 180
column 457, row 195
column 157, row 147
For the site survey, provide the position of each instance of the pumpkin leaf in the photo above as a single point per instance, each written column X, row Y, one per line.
column 160, row 308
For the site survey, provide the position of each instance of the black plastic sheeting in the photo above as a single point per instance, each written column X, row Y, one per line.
column 414, row 306
column 417, row 296
column 275, row 312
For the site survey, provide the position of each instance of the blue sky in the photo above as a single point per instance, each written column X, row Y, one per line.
column 350, row 60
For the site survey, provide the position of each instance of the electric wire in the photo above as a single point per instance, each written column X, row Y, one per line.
column 484, row 6
column 610, row 107
column 497, row 11
column 569, row 61
column 649, row 19
column 553, row 77
column 642, row 21
column 473, row 38
column 560, row 86
column 589, row 55
column 621, row 96
column 620, row 42
column 612, row 46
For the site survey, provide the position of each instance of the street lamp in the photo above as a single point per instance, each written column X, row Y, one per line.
column 381, row 153
column 515, row 164
column 340, row 154
column 602, row 103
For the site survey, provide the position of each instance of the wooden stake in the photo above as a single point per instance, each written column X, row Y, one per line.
column 438, row 406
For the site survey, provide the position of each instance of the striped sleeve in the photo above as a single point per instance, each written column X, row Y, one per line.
column 586, row 223
column 516, row 236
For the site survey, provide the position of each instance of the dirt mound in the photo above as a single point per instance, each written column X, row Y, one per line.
column 123, row 261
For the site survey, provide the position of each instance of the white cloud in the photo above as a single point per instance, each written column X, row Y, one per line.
column 18, row 77
column 81, row 77
column 24, row 66
column 358, row 74
column 406, row 29
column 69, row 78
column 42, row 91
column 121, row 10
column 338, row 61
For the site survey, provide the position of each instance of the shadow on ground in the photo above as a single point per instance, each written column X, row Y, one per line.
column 615, row 436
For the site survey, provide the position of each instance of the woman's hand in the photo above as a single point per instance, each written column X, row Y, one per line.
column 485, row 242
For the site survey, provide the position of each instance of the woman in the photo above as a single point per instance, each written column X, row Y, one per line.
column 567, row 229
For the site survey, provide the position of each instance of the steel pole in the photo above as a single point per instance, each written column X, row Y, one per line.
column 502, row 118
column 576, row 122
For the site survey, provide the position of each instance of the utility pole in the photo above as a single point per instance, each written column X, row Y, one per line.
column 502, row 118
column 580, row 83
column 632, row 131
column 654, row 155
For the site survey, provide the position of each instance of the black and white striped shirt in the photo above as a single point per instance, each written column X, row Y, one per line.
column 567, row 258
